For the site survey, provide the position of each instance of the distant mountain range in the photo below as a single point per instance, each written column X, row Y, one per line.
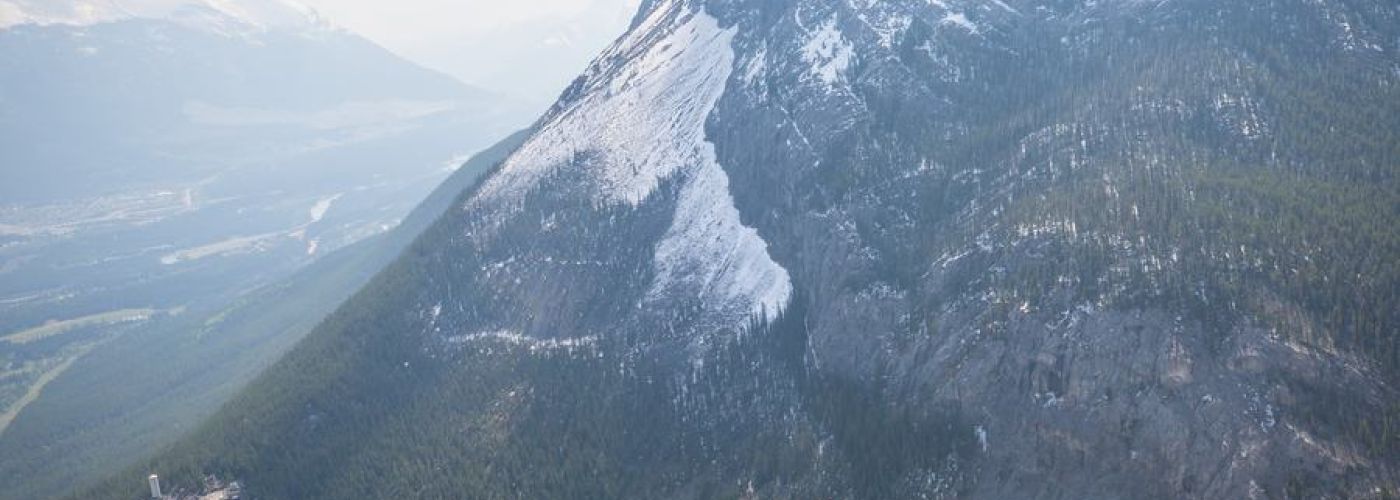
column 164, row 170
column 99, row 108
column 245, row 15
column 557, row 46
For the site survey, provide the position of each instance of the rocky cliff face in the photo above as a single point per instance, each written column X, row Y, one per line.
column 972, row 249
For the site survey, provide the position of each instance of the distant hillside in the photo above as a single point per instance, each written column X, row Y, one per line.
column 136, row 395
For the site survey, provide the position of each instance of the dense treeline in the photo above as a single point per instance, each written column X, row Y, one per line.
column 1259, row 190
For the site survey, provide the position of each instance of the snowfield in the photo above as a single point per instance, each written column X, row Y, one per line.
column 646, row 126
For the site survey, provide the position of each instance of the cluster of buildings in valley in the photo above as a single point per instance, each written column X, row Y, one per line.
column 213, row 489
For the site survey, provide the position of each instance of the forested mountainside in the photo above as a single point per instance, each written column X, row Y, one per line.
column 902, row 249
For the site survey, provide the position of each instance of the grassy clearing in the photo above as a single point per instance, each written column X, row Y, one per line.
column 52, row 328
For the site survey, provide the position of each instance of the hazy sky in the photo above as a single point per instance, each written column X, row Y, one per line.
column 409, row 23
column 527, row 48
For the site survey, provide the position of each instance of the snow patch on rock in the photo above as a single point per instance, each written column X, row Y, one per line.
column 828, row 53
column 709, row 254
column 533, row 344
column 959, row 19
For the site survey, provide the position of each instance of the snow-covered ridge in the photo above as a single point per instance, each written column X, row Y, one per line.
column 220, row 15
column 646, row 123
column 638, row 129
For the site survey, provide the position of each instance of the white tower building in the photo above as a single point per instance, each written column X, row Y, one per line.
column 155, row 486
